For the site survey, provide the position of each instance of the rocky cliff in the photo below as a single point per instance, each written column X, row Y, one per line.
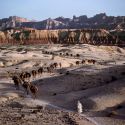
column 96, row 22
column 12, row 22
column 82, row 36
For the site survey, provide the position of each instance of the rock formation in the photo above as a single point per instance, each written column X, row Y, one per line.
column 96, row 22
column 72, row 36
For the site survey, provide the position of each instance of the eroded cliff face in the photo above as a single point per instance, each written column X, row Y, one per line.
column 99, row 21
column 74, row 36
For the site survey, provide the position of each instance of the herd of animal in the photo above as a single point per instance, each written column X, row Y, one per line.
column 84, row 61
column 24, row 79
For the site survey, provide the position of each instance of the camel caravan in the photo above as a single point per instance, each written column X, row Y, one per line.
column 67, row 55
column 65, row 36
column 23, row 79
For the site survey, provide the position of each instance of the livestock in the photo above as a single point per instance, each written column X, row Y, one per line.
column 33, row 89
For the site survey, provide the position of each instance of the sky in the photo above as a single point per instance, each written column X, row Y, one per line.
column 43, row 9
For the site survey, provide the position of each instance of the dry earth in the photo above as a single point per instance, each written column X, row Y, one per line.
column 100, row 87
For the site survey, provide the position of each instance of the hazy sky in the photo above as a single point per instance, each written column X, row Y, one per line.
column 42, row 9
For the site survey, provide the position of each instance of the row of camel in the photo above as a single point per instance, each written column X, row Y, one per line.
column 24, row 79
column 61, row 54
column 84, row 61
column 66, row 36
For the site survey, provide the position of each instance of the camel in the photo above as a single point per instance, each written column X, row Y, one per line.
column 25, row 75
column 67, row 54
column 50, row 69
column 83, row 62
column 22, row 76
column 40, row 70
column 53, row 56
column 77, row 55
column 60, row 54
column 34, row 73
column 77, row 62
column 51, row 53
column 16, row 80
column 55, row 65
column 60, row 65
column 33, row 90
column 29, row 87
column 91, row 61
column 26, row 85
column 71, row 55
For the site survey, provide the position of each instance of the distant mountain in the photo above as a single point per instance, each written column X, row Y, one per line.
column 12, row 22
column 96, row 22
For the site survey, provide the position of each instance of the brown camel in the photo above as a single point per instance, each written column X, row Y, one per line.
column 17, row 81
column 34, row 73
column 40, row 70
column 77, row 62
column 83, row 62
column 26, row 85
column 60, row 65
column 33, row 90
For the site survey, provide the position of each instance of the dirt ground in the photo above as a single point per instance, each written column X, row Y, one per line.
column 100, row 87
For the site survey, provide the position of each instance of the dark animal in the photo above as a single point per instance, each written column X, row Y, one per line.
column 60, row 54
column 60, row 65
column 91, row 61
column 71, row 55
column 67, row 54
column 50, row 69
column 77, row 55
column 77, row 62
column 83, row 62
column 55, row 65
column 26, row 85
column 17, row 81
column 40, row 70
column 27, row 75
column 33, row 90
column 34, row 73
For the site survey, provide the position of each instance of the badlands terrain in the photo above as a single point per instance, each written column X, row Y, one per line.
column 99, row 86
